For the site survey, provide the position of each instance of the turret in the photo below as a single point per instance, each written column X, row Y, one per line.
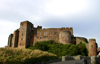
column 39, row 27
column 65, row 37
column 92, row 47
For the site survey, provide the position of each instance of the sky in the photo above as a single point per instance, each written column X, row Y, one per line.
column 82, row 15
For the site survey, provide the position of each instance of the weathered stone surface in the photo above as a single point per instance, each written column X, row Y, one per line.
column 65, row 37
column 93, row 60
column 25, row 34
column 15, row 38
column 63, row 58
column 92, row 47
column 10, row 40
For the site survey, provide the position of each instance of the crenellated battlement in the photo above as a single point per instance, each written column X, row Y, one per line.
column 69, row 28
column 39, row 27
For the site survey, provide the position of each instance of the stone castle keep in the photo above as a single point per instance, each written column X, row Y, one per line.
column 27, row 35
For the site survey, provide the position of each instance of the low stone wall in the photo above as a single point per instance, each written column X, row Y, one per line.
column 65, row 58
column 95, row 60
column 47, row 62
column 85, row 59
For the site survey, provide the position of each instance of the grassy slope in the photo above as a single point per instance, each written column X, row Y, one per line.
column 21, row 56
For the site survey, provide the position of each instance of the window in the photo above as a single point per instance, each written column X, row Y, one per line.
column 20, row 43
column 22, row 34
column 45, row 33
column 51, row 36
column 40, row 37
column 21, row 38
column 51, row 32
column 54, row 36
column 55, row 33
column 45, row 36
column 22, row 24
column 39, row 33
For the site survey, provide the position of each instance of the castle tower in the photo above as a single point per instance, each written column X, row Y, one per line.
column 15, row 38
column 10, row 40
column 25, row 35
column 65, row 37
column 92, row 48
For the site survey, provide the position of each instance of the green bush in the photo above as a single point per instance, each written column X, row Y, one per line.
column 83, row 49
column 61, row 49
column 41, row 46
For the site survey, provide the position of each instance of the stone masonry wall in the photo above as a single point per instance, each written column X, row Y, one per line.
column 65, row 37
column 10, row 40
column 25, row 35
column 92, row 47
column 29, row 34
column 50, row 34
column 22, row 35
column 15, row 38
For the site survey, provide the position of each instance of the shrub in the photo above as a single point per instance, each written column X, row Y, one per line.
column 41, row 46
column 62, row 49
column 83, row 49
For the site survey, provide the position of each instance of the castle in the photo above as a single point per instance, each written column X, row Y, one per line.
column 27, row 35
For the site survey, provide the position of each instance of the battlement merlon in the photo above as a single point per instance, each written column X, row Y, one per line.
column 39, row 27
column 92, row 40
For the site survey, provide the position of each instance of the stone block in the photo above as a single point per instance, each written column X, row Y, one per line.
column 93, row 60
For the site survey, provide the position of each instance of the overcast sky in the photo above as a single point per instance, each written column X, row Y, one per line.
column 82, row 15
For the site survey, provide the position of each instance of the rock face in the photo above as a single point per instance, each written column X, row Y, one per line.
column 65, row 37
column 92, row 47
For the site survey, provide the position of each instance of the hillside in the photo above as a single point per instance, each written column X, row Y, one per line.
column 23, row 56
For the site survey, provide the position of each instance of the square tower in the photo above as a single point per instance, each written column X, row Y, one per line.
column 25, row 34
column 15, row 38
